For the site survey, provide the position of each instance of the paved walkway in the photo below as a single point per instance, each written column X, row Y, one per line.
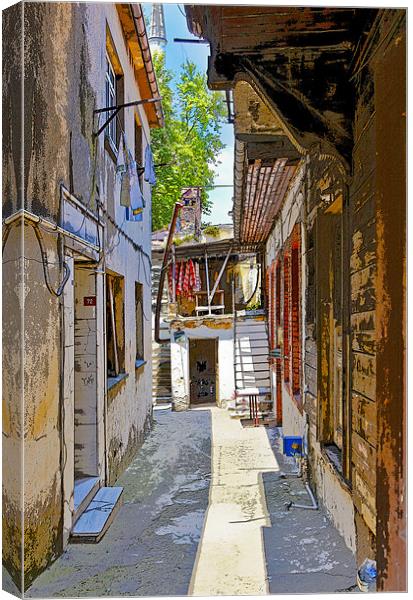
column 184, row 530
column 150, row 548
column 231, row 559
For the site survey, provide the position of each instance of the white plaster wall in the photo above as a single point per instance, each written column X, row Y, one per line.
column 294, row 422
column 335, row 497
column 180, row 363
column 291, row 211
column 131, row 407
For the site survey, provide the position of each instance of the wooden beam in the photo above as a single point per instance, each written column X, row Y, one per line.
column 282, row 148
column 214, row 289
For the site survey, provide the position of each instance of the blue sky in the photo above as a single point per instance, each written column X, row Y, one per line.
column 176, row 54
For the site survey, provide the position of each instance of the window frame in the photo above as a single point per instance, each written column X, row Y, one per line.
column 139, row 294
column 111, row 96
column 115, row 301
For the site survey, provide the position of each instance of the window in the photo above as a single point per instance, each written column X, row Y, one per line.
column 140, row 351
column 295, row 319
column 310, row 288
column 278, row 302
column 110, row 100
column 270, row 296
column 114, row 96
column 286, row 319
column 115, row 326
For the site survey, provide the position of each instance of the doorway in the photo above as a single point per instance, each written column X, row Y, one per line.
column 203, row 369
column 86, row 478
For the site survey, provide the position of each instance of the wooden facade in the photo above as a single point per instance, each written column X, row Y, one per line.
column 322, row 92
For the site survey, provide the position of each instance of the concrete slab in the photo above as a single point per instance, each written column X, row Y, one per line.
column 231, row 558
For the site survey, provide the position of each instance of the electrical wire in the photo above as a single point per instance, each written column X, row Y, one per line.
column 45, row 263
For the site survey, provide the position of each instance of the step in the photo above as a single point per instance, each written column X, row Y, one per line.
column 250, row 391
column 251, row 335
column 252, row 377
column 246, row 344
column 250, row 325
column 97, row 517
column 162, row 400
column 161, row 392
column 85, row 489
column 251, row 314
column 256, row 367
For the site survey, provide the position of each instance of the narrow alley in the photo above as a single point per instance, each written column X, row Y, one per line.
column 204, row 290
column 206, row 514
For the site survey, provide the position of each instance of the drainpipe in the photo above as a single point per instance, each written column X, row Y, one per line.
column 313, row 506
column 171, row 232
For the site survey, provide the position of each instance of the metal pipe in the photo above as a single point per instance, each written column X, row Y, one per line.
column 25, row 214
column 173, row 274
column 207, row 281
column 214, row 289
column 313, row 506
column 188, row 41
column 171, row 232
column 125, row 105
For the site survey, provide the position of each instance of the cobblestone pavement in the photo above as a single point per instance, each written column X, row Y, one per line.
column 181, row 531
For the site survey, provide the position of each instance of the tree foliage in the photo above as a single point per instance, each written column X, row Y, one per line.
column 189, row 143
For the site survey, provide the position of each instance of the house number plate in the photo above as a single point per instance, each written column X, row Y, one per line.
column 89, row 300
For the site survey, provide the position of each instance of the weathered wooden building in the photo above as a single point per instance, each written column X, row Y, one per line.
column 318, row 97
column 76, row 266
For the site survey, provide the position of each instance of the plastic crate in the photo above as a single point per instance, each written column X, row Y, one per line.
column 292, row 445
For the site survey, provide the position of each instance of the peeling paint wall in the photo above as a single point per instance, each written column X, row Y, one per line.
column 363, row 308
column 12, row 404
column 219, row 328
column 64, row 48
column 367, row 491
column 335, row 497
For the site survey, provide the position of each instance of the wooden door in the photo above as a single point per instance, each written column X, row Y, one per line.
column 203, row 370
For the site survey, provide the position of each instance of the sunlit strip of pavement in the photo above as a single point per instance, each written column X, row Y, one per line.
column 231, row 558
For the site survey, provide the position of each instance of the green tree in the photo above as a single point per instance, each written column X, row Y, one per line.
column 189, row 143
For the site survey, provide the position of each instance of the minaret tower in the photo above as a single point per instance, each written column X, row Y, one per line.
column 157, row 33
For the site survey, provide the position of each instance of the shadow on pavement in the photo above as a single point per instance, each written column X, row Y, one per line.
column 304, row 552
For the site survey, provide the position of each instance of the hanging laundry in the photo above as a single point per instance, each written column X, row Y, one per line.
column 189, row 280
column 135, row 212
column 125, row 185
column 177, row 280
column 149, row 166
column 121, row 159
